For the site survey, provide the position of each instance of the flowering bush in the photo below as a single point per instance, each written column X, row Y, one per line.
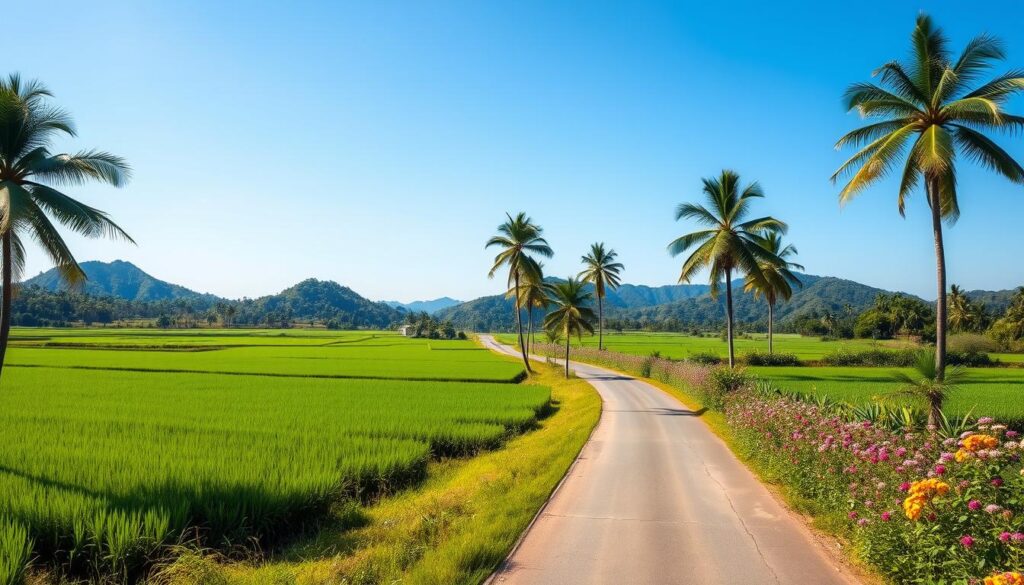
column 923, row 508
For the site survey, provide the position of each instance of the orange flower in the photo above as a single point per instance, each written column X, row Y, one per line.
column 1008, row 578
column 921, row 493
column 975, row 443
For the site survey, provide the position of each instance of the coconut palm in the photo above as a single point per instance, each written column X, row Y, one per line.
column 601, row 270
column 518, row 237
column 571, row 315
column 925, row 384
column 779, row 279
column 928, row 115
column 532, row 295
column 29, row 172
column 964, row 314
column 731, row 243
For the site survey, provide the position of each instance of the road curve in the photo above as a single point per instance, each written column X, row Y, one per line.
column 656, row 498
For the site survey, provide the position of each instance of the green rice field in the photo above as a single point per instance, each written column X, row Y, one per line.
column 682, row 346
column 996, row 392
column 110, row 453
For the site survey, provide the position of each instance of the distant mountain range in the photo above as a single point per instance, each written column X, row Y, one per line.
column 681, row 305
column 691, row 305
column 119, row 279
column 429, row 307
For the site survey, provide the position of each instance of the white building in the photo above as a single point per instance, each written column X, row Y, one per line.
column 407, row 330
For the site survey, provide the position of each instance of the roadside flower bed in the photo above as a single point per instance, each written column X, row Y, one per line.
column 680, row 373
column 922, row 508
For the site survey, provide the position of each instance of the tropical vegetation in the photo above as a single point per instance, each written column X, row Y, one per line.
column 602, row 271
column 571, row 314
column 730, row 243
column 779, row 280
column 517, row 238
column 929, row 112
column 29, row 176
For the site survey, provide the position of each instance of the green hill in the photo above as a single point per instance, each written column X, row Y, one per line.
column 120, row 279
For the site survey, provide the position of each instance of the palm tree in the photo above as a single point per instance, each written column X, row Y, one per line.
column 516, row 237
column 965, row 314
column 28, row 199
column 601, row 270
column 571, row 315
column 532, row 295
column 929, row 106
column 925, row 384
column 729, row 243
column 779, row 279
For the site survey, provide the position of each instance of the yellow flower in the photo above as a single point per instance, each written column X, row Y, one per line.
column 961, row 455
column 913, row 506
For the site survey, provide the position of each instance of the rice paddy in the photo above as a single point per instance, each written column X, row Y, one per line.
column 110, row 453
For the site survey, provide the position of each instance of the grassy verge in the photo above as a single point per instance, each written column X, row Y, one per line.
column 453, row 528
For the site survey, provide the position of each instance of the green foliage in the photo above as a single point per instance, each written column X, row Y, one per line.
column 873, row 357
column 758, row 358
column 15, row 551
column 720, row 383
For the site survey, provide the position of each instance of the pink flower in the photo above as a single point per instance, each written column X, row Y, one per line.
column 940, row 469
column 1017, row 536
column 852, row 515
column 1012, row 434
column 993, row 509
column 905, row 486
column 974, row 505
column 967, row 541
column 1004, row 537
column 862, row 522
column 986, row 420
column 886, row 516
column 997, row 481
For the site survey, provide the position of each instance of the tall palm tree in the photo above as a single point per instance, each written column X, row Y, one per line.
column 965, row 314
column 779, row 279
column 730, row 242
column 29, row 172
column 928, row 115
column 571, row 315
column 601, row 270
column 517, row 237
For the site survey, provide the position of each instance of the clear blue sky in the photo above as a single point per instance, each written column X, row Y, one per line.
column 379, row 144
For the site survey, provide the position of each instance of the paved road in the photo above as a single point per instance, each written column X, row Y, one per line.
column 656, row 498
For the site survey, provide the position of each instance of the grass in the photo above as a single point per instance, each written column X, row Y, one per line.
column 453, row 529
column 681, row 346
column 996, row 392
column 102, row 469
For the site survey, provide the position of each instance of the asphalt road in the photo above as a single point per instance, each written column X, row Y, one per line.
column 656, row 498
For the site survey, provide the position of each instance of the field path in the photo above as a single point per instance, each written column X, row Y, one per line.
column 656, row 498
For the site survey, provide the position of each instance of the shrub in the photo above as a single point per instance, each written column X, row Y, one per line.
column 705, row 358
column 720, row 383
column 898, row 358
column 757, row 358
column 968, row 359
column 970, row 343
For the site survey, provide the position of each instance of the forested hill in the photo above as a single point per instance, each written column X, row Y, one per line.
column 119, row 279
column 688, row 305
column 120, row 291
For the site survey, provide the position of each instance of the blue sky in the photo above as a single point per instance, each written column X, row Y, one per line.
column 379, row 144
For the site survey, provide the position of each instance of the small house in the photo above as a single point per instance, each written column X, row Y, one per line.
column 408, row 330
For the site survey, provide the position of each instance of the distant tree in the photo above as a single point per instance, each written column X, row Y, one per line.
column 779, row 280
column 1009, row 328
column 601, row 270
column 517, row 238
column 729, row 244
column 29, row 124
column 532, row 295
column 965, row 315
column 928, row 105
column 571, row 315
column 163, row 321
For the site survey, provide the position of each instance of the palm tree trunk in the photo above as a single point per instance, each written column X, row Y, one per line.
column 567, row 355
column 519, row 325
column 8, row 293
column 529, row 332
column 728, row 317
column 940, row 272
column 934, row 413
column 600, row 323
column 771, row 310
